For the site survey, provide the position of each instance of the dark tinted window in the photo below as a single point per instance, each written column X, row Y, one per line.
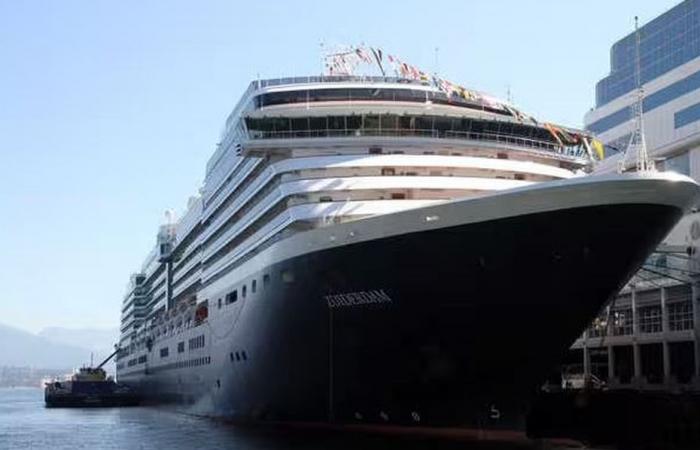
column 368, row 94
column 686, row 116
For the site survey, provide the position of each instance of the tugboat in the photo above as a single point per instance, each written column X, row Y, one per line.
column 89, row 386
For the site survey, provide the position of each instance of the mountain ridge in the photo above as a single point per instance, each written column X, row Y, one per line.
column 24, row 349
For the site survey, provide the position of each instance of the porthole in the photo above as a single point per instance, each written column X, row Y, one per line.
column 287, row 276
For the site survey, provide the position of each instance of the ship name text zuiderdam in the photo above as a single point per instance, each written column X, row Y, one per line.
column 384, row 250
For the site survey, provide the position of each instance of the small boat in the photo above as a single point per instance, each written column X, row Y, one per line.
column 89, row 387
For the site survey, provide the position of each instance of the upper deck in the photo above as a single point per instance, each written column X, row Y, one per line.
column 333, row 106
column 310, row 89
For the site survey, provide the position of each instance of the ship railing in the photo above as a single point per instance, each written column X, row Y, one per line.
column 505, row 139
column 260, row 84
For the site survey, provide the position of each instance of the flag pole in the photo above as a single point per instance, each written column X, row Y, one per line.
column 437, row 67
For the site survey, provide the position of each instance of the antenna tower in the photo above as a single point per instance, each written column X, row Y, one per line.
column 637, row 140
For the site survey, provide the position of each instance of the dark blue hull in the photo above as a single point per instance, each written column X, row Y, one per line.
column 448, row 327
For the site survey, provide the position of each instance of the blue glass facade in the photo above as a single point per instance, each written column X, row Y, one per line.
column 679, row 164
column 686, row 116
column 666, row 42
column 658, row 98
column 611, row 120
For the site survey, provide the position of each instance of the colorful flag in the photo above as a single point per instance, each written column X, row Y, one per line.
column 378, row 57
column 362, row 54
column 552, row 129
column 599, row 148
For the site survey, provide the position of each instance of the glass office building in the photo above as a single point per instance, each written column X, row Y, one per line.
column 670, row 74
column 649, row 336
column 666, row 42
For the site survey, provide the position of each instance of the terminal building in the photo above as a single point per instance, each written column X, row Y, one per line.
column 649, row 336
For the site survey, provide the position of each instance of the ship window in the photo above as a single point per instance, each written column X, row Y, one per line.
column 266, row 279
column 231, row 356
column 164, row 352
column 424, row 124
column 219, row 303
column 502, row 156
column 280, row 123
column 254, row 286
column 354, row 123
column 231, row 297
column 197, row 342
column 519, row 176
column 300, row 126
column 317, row 123
column 244, row 356
column 442, row 125
column 336, row 123
column 388, row 171
column 398, row 196
column 388, row 122
column 238, row 356
column 325, row 198
column 180, row 347
column 370, row 122
column 244, row 291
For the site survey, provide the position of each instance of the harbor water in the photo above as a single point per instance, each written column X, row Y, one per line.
column 26, row 424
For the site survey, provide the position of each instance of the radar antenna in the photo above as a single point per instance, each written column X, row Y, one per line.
column 637, row 140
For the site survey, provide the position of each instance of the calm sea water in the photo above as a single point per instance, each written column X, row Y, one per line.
column 26, row 424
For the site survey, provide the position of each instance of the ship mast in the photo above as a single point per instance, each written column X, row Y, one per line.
column 637, row 140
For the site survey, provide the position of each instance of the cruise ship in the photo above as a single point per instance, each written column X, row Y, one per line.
column 384, row 250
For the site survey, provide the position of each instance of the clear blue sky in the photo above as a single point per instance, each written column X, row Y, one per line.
column 109, row 110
